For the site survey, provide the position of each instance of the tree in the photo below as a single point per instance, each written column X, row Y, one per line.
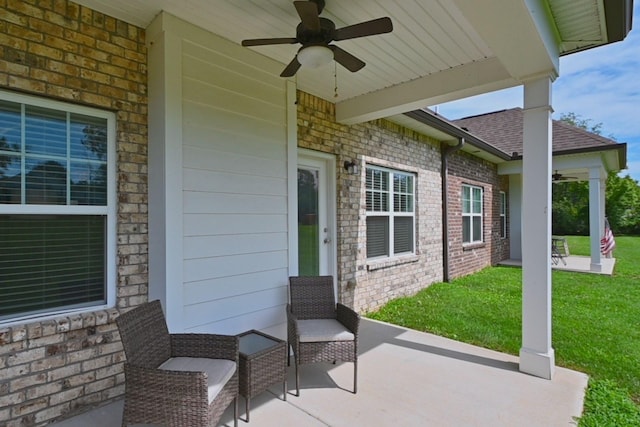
column 570, row 204
column 623, row 204
column 582, row 123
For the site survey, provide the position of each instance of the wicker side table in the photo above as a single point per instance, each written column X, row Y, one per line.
column 262, row 364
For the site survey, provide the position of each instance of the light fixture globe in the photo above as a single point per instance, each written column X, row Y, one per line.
column 315, row 56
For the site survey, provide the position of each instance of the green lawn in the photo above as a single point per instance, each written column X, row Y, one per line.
column 596, row 324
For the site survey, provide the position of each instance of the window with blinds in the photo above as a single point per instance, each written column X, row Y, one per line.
column 54, row 207
column 471, row 214
column 503, row 215
column 390, row 197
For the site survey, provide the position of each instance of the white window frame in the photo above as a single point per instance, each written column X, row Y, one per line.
column 391, row 214
column 503, row 215
column 110, row 210
column 471, row 215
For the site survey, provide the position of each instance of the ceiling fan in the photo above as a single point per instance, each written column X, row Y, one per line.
column 560, row 177
column 315, row 35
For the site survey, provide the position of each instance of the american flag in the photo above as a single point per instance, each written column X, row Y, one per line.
column 607, row 243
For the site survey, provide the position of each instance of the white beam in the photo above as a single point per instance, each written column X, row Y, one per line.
column 455, row 83
column 537, row 355
column 583, row 161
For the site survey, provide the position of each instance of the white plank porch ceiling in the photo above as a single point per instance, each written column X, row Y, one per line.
column 428, row 36
column 439, row 50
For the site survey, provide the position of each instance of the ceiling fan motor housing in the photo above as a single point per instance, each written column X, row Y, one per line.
column 307, row 36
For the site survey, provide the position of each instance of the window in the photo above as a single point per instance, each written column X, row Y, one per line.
column 390, row 213
column 471, row 214
column 503, row 215
column 57, row 218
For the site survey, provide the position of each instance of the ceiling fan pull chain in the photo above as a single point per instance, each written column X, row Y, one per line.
column 335, row 80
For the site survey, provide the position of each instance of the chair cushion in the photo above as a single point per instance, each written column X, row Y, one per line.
column 322, row 330
column 218, row 370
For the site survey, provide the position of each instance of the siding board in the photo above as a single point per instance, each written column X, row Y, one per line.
column 233, row 244
column 264, row 146
column 235, row 183
column 234, row 170
column 225, row 287
column 210, row 203
column 272, row 317
column 218, row 117
column 216, row 267
column 207, row 224
column 240, row 104
column 215, row 160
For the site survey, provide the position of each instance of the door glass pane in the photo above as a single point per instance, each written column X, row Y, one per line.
column 308, row 228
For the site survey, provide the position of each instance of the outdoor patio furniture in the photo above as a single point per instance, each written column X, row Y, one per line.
column 175, row 379
column 559, row 249
column 262, row 364
column 319, row 330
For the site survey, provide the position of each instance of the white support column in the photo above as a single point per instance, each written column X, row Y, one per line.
column 596, row 222
column 537, row 355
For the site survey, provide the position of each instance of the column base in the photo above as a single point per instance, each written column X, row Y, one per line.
column 596, row 267
column 538, row 364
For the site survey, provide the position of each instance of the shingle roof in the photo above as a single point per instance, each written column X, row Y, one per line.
column 503, row 129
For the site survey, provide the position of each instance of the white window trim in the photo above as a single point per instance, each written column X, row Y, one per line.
column 110, row 210
column 390, row 213
column 472, row 215
column 503, row 215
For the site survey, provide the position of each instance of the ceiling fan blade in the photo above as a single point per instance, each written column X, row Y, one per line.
column 364, row 29
column 308, row 12
column 346, row 59
column 263, row 42
column 291, row 69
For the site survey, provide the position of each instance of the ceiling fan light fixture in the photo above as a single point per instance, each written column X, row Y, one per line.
column 315, row 56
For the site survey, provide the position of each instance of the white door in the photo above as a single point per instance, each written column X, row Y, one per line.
column 316, row 214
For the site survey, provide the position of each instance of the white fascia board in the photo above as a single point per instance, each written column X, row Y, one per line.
column 570, row 161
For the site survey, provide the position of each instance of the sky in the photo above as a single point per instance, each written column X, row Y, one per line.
column 601, row 85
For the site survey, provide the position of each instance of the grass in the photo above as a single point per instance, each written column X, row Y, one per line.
column 595, row 324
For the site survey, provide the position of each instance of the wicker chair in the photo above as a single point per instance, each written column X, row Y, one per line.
column 175, row 379
column 318, row 329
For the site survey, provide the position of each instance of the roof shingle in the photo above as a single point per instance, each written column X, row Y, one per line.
column 503, row 129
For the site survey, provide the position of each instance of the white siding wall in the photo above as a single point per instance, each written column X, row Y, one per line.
column 234, row 187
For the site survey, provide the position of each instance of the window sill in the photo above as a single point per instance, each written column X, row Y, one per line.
column 472, row 246
column 374, row 265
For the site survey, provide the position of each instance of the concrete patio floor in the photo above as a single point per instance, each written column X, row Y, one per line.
column 574, row 263
column 406, row 378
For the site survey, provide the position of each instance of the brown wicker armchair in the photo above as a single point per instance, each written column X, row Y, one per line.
column 175, row 379
column 318, row 329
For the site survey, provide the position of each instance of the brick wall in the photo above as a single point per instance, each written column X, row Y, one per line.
column 364, row 285
column 60, row 50
column 466, row 259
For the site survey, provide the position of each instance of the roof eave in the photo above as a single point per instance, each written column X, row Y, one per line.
column 455, row 131
column 618, row 21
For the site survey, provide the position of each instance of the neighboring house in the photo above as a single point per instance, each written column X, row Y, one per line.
column 147, row 156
